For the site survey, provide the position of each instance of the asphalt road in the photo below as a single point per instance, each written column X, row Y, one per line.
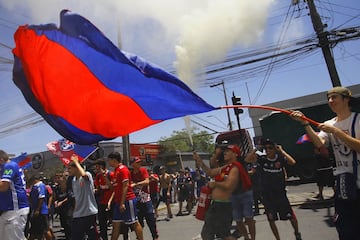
column 314, row 216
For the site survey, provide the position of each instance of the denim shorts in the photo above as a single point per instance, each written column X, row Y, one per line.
column 242, row 205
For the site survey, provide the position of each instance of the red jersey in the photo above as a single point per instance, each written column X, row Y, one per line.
column 143, row 193
column 103, row 189
column 121, row 175
column 49, row 189
column 244, row 179
column 154, row 184
column 140, row 176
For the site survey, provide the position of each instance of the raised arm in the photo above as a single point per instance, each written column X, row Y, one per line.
column 211, row 172
column 290, row 160
column 251, row 157
column 315, row 139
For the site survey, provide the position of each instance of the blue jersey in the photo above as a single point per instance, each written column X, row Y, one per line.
column 39, row 191
column 15, row 197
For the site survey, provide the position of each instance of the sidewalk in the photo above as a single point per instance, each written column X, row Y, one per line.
column 295, row 199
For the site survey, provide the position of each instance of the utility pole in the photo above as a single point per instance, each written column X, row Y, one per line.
column 324, row 43
column 226, row 102
column 126, row 138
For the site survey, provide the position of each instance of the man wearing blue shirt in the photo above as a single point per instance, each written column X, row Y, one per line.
column 14, row 206
column 39, row 209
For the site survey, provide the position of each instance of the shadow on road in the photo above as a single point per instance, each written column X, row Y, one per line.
column 315, row 205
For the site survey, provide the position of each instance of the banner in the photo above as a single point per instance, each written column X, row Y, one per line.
column 65, row 149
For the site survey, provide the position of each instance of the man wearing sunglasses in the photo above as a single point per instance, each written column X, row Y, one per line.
column 277, row 205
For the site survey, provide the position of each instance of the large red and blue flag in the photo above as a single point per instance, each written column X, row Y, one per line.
column 23, row 161
column 66, row 149
column 89, row 90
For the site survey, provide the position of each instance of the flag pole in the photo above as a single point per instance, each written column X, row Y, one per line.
column 288, row 112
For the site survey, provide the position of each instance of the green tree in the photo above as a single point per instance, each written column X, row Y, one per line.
column 202, row 141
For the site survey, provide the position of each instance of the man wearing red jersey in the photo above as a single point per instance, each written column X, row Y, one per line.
column 140, row 179
column 125, row 211
column 104, row 190
column 154, row 190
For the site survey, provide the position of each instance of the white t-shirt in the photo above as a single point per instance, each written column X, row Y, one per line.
column 343, row 154
column 85, row 203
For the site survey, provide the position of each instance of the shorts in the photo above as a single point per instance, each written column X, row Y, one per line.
column 184, row 194
column 12, row 224
column 218, row 220
column 277, row 205
column 164, row 198
column 347, row 218
column 39, row 225
column 154, row 198
column 242, row 205
column 129, row 216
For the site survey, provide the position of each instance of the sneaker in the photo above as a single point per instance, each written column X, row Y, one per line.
column 236, row 234
column 298, row 236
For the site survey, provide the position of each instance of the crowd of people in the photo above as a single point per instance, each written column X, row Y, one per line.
column 89, row 201
column 126, row 196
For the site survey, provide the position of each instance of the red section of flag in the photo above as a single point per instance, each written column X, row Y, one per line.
column 23, row 162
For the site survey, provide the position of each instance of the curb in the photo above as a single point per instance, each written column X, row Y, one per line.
column 295, row 199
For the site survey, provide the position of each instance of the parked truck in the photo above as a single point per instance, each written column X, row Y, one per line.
column 239, row 137
column 285, row 131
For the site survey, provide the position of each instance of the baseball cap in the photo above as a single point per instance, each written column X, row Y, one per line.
column 135, row 160
column 345, row 92
column 235, row 149
column 268, row 141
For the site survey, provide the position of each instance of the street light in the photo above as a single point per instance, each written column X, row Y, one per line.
column 226, row 102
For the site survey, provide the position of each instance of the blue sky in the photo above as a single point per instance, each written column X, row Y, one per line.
column 207, row 32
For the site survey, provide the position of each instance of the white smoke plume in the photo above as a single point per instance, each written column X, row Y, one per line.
column 195, row 33
column 208, row 34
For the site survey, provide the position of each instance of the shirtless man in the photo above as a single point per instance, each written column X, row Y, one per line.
column 165, row 189
column 218, row 218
